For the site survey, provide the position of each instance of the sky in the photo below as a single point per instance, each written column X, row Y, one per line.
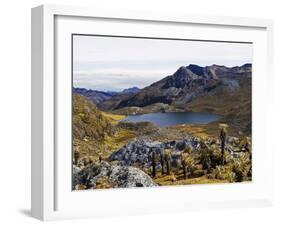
column 114, row 64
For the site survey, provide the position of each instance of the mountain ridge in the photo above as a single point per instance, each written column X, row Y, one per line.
column 216, row 89
column 97, row 97
column 184, row 85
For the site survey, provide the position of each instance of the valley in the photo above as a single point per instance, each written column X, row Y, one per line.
column 165, row 133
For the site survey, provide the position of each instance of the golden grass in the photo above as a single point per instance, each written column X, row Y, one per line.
column 106, row 147
column 111, row 141
column 119, row 139
column 170, row 180
column 113, row 118
column 200, row 131
column 204, row 130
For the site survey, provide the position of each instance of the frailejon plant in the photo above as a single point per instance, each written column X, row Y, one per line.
column 167, row 159
column 76, row 155
column 241, row 167
column 223, row 140
column 205, row 157
column 215, row 156
column 238, row 170
column 188, row 164
column 224, row 173
column 162, row 162
column 153, row 164
column 184, row 166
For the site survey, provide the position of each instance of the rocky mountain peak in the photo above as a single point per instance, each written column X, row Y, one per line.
column 181, row 71
column 247, row 65
column 180, row 78
column 196, row 69
column 184, row 73
column 246, row 68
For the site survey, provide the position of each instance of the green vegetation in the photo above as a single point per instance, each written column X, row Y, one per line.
column 113, row 118
column 167, row 160
column 153, row 164
column 188, row 163
column 207, row 166
column 237, row 170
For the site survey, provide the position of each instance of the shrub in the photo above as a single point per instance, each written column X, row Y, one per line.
column 153, row 164
column 242, row 166
column 215, row 156
column 224, row 173
column 167, row 159
column 188, row 164
column 187, row 149
column 204, row 157
column 238, row 170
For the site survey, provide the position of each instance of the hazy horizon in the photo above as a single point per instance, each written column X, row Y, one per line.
column 114, row 64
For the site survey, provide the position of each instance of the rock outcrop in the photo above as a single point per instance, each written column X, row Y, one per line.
column 106, row 175
column 139, row 152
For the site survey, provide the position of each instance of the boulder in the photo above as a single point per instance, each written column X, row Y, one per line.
column 107, row 175
column 126, row 177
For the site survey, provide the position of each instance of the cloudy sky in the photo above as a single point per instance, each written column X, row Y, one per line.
column 113, row 64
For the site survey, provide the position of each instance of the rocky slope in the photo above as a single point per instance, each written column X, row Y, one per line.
column 189, row 83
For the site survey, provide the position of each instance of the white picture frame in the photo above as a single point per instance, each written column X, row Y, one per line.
column 52, row 197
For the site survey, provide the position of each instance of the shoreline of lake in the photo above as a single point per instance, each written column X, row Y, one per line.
column 164, row 119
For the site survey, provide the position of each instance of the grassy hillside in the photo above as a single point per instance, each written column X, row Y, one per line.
column 88, row 121
column 95, row 132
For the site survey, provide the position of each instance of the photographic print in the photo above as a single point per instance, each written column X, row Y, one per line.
column 151, row 112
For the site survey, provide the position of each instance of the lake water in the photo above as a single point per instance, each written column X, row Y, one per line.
column 174, row 118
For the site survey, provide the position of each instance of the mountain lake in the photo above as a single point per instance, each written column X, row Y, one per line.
column 174, row 118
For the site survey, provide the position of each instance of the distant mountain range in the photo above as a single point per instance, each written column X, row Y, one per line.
column 131, row 90
column 98, row 97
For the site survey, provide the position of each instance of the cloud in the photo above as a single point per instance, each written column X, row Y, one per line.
column 116, row 81
column 110, row 63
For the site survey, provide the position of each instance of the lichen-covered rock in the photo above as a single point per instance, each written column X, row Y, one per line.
column 126, row 177
column 108, row 175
